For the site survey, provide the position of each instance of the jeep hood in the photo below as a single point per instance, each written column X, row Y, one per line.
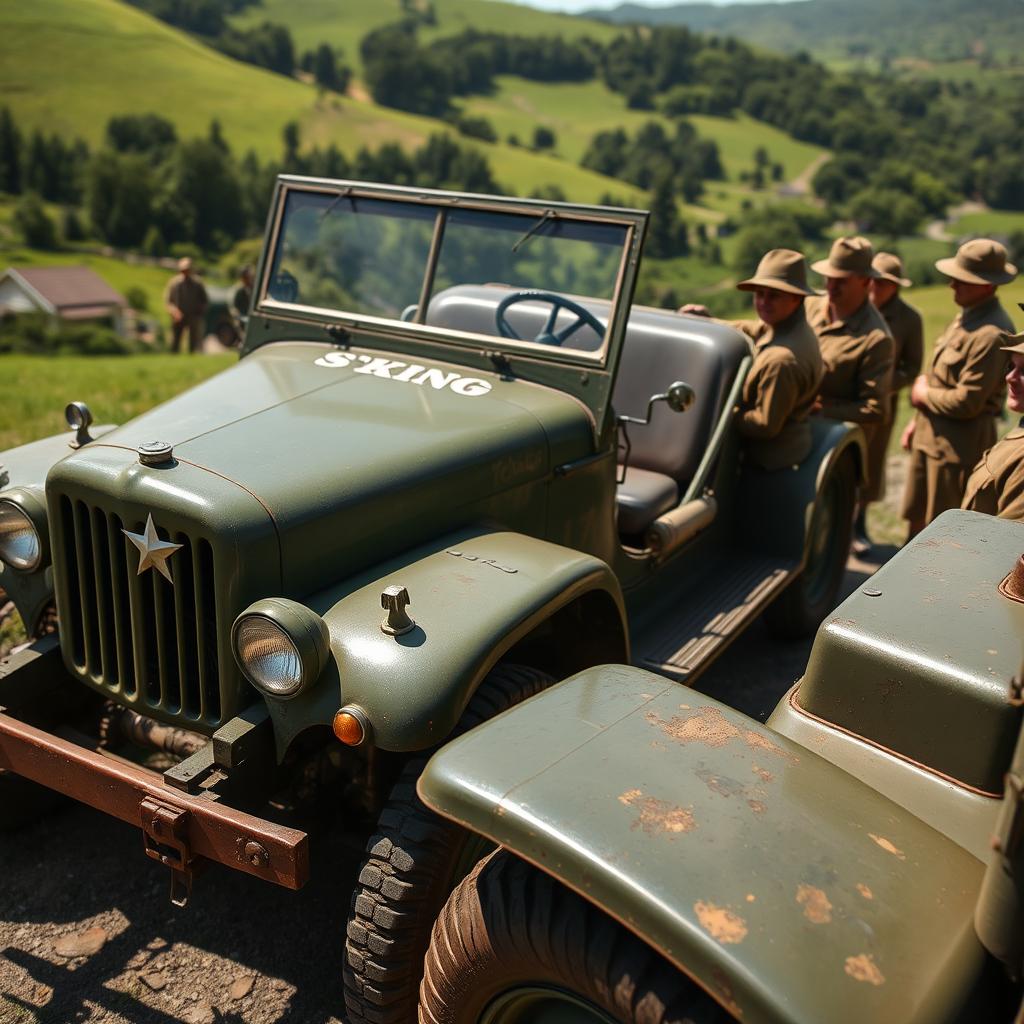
column 356, row 454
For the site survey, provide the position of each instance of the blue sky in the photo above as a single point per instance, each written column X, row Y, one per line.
column 589, row 5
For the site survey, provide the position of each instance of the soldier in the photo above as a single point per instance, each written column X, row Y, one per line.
column 241, row 299
column 186, row 301
column 959, row 398
column 907, row 330
column 783, row 381
column 997, row 484
column 856, row 347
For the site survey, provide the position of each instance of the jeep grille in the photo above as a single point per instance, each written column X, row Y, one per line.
column 148, row 644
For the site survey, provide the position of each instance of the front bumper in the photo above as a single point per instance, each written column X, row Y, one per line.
column 180, row 829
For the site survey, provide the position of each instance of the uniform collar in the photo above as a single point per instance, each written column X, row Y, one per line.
column 980, row 311
column 854, row 320
column 781, row 329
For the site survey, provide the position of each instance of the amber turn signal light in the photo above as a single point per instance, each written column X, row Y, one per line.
column 350, row 726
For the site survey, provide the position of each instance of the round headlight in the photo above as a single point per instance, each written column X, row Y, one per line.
column 281, row 646
column 21, row 546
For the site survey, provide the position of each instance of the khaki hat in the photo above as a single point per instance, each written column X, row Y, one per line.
column 979, row 261
column 849, row 257
column 890, row 268
column 185, row 263
column 1014, row 342
column 785, row 270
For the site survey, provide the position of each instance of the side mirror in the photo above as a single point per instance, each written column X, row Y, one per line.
column 680, row 396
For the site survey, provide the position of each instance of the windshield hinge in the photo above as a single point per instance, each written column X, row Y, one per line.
column 341, row 336
column 500, row 362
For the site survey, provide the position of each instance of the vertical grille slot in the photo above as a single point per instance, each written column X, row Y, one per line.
column 206, row 631
column 185, row 613
column 87, row 593
column 104, row 598
column 71, row 617
column 116, row 541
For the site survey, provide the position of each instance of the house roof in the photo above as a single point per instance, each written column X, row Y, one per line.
column 68, row 289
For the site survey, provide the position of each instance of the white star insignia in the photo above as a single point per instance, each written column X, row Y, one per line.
column 153, row 552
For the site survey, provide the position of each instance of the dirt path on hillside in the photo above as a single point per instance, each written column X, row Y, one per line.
column 801, row 184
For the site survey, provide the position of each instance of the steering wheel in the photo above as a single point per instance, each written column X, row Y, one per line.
column 548, row 335
column 284, row 286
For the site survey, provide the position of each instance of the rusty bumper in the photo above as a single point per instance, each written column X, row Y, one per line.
column 180, row 829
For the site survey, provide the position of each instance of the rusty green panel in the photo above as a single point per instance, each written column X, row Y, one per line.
column 786, row 887
column 919, row 658
column 472, row 596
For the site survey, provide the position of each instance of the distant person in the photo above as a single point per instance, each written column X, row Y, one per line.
column 783, row 381
column 958, row 400
column 186, row 301
column 241, row 298
column 907, row 330
column 856, row 346
column 997, row 484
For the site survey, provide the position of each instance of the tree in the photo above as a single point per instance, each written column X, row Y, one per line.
column 141, row 133
column 119, row 196
column 327, row 70
column 10, row 154
column 33, row 222
column 771, row 227
column 543, row 138
column 205, row 182
column 666, row 236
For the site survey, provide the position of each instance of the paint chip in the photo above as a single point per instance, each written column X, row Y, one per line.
column 658, row 816
column 864, row 968
column 721, row 924
column 762, row 773
column 817, row 907
column 888, row 846
column 865, row 891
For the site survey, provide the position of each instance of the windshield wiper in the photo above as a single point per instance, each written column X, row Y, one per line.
column 345, row 193
column 541, row 221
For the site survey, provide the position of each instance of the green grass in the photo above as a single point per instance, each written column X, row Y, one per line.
column 991, row 222
column 35, row 389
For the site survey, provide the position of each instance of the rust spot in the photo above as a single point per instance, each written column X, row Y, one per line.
column 763, row 774
column 722, row 786
column 658, row 816
column 886, row 845
column 817, row 908
column 751, row 897
column 865, row 891
column 864, row 968
column 721, row 924
column 709, row 726
column 757, row 806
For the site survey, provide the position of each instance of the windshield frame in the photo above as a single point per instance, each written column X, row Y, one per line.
column 633, row 223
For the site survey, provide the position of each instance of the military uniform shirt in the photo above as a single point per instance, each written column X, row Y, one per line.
column 997, row 484
column 907, row 330
column 858, row 355
column 188, row 294
column 965, row 387
column 779, row 391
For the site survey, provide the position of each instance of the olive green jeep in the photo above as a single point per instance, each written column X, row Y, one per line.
column 664, row 858
column 452, row 465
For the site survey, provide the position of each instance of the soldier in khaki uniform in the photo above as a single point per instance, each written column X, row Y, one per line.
column 997, row 484
column 959, row 398
column 856, row 347
column 907, row 330
column 783, row 381
column 186, row 301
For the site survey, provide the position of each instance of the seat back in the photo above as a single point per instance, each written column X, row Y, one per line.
column 660, row 347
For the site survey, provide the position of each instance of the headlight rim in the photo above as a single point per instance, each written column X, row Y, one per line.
column 301, row 627
column 32, row 506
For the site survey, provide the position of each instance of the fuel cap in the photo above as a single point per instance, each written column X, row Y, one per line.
column 155, row 453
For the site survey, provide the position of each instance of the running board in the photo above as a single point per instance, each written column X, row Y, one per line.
column 712, row 617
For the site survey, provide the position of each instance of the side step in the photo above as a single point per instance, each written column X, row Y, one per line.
column 711, row 616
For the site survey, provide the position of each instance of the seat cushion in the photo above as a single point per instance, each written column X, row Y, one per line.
column 642, row 497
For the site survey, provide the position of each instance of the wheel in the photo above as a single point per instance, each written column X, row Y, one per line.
column 513, row 946
column 812, row 595
column 548, row 335
column 413, row 862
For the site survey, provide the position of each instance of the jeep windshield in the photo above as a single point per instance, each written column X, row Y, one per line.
column 549, row 279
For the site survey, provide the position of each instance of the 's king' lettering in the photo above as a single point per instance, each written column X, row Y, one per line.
column 406, row 373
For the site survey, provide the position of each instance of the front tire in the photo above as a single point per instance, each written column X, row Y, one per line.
column 812, row 595
column 414, row 861
column 514, row 946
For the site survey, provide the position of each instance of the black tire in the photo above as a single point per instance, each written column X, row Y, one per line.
column 812, row 595
column 515, row 945
column 413, row 862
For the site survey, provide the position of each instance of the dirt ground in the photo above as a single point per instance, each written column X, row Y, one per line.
column 87, row 932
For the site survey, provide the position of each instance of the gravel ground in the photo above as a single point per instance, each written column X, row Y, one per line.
column 87, row 932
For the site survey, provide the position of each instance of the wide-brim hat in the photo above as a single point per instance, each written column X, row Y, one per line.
column 1014, row 342
column 979, row 261
column 848, row 257
column 890, row 268
column 784, row 270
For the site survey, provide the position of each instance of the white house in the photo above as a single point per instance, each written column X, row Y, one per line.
column 65, row 293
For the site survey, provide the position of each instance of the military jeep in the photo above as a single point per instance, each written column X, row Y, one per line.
column 452, row 465
column 663, row 858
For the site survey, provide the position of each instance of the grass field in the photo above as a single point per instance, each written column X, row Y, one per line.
column 991, row 222
column 35, row 389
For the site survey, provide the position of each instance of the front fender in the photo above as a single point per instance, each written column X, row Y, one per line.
column 786, row 888
column 473, row 597
column 27, row 466
column 777, row 507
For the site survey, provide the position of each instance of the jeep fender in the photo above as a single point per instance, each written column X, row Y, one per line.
column 777, row 507
column 785, row 887
column 27, row 466
column 473, row 597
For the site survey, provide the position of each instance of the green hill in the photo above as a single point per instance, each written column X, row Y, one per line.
column 67, row 66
